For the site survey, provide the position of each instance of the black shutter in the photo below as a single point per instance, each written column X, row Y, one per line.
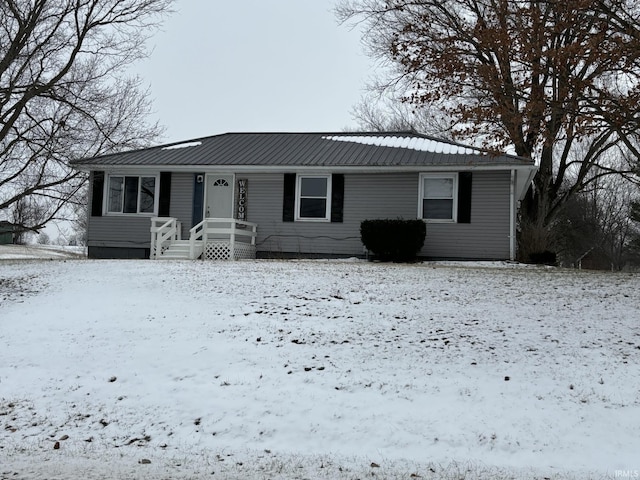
column 464, row 197
column 337, row 197
column 198, row 199
column 97, row 192
column 289, row 197
column 164, row 203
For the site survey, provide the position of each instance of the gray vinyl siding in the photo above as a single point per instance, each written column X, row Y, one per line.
column 371, row 196
column 487, row 236
column 133, row 231
column 182, row 200
column 366, row 196
column 124, row 231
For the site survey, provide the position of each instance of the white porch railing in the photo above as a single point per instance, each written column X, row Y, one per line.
column 164, row 231
column 212, row 238
column 223, row 238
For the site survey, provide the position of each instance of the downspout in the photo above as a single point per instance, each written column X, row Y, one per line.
column 512, row 216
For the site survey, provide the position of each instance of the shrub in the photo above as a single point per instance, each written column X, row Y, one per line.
column 393, row 240
column 546, row 257
column 533, row 239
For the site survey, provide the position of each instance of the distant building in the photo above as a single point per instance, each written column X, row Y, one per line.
column 7, row 233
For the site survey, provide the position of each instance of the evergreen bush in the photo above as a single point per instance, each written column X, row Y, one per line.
column 393, row 240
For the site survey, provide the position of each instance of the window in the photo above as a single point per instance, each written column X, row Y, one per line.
column 313, row 197
column 438, row 194
column 326, row 204
column 131, row 194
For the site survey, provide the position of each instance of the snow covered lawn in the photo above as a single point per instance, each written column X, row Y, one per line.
column 316, row 369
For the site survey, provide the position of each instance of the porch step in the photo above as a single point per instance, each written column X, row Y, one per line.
column 178, row 250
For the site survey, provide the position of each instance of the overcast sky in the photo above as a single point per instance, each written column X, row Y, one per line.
column 254, row 65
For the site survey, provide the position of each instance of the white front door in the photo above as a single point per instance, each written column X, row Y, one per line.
column 219, row 203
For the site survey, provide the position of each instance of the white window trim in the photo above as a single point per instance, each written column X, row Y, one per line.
column 327, row 215
column 156, row 196
column 454, row 209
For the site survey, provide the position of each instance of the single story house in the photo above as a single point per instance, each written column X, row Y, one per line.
column 301, row 194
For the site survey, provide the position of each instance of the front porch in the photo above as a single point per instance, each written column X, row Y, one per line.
column 211, row 239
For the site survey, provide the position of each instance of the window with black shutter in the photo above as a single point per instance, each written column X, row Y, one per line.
column 313, row 197
column 445, row 197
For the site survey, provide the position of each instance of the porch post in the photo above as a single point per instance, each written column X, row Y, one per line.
column 152, row 247
column 205, row 238
column 232, row 241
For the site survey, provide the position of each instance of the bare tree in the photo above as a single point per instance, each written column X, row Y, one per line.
column 378, row 113
column 80, row 217
column 64, row 94
column 634, row 240
column 44, row 239
column 556, row 80
column 596, row 225
column 27, row 210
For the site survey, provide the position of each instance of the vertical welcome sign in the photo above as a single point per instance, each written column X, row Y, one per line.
column 241, row 203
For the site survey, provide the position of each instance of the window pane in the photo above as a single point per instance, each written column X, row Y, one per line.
column 437, row 209
column 438, row 188
column 313, row 187
column 147, row 194
column 130, row 194
column 115, row 194
column 313, row 208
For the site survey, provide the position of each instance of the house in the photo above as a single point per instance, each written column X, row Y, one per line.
column 301, row 194
column 7, row 233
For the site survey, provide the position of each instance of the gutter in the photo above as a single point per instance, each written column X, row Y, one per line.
column 512, row 216
column 299, row 168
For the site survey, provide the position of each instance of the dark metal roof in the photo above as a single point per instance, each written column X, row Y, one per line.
column 373, row 149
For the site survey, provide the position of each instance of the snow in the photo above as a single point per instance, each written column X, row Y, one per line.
column 411, row 143
column 31, row 252
column 316, row 369
column 182, row 145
